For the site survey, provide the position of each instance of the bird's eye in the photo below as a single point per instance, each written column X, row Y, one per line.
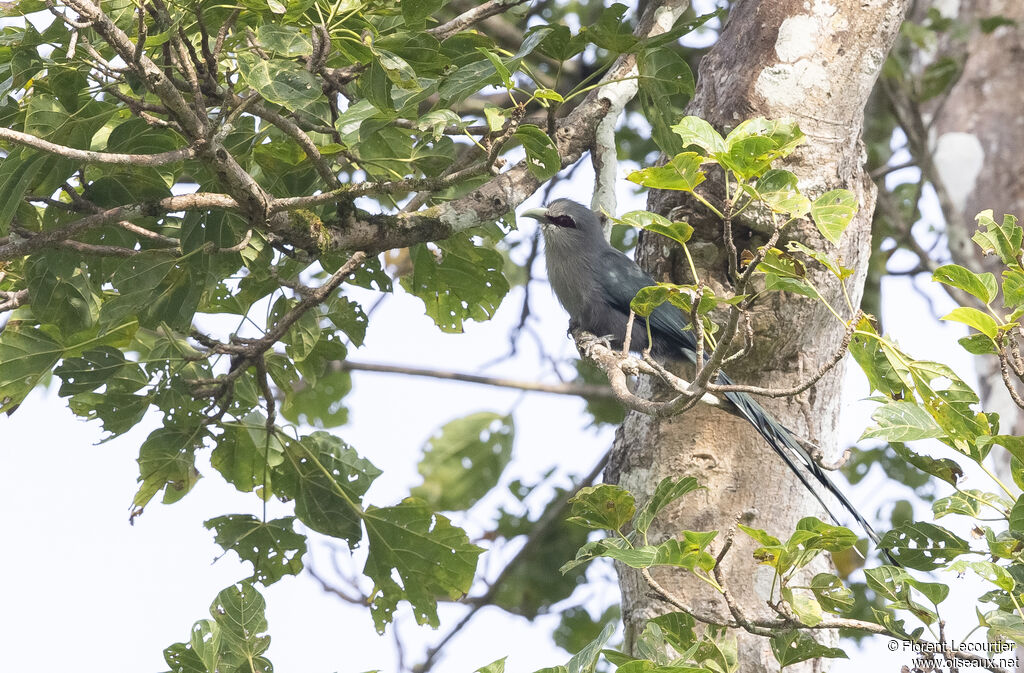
column 562, row 221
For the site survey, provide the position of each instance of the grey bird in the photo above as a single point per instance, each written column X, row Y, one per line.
column 595, row 283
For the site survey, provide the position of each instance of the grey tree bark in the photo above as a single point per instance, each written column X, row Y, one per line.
column 814, row 62
column 977, row 146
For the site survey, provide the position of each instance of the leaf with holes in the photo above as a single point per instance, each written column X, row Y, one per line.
column 465, row 461
column 461, row 281
column 831, row 593
column 167, row 461
column 273, row 547
column 327, row 479
column 432, row 558
column 792, row 647
column 239, row 612
column 923, row 546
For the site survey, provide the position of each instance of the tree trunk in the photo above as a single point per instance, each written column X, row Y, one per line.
column 977, row 156
column 815, row 63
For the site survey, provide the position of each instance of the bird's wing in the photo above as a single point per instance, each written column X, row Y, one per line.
column 620, row 282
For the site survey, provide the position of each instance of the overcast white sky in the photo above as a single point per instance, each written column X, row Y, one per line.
column 85, row 591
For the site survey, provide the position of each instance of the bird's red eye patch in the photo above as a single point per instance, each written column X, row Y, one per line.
column 562, row 221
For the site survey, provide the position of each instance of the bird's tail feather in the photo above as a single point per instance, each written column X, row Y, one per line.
column 796, row 457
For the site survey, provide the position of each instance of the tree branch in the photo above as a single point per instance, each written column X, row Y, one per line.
column 32, row 141
column 467, row 19
column 200, row 200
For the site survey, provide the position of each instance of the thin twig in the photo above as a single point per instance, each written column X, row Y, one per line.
column 578, row 389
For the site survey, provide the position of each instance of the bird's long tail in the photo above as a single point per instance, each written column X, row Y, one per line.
column 792, row 452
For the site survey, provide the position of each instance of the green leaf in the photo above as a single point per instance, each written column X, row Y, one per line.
column 465, row 283
column 348, row 316
column 923, row 546
column 542, row 157
column 495, row 117
column 1002, row 239
column 18, row 171
column 397, row 70
column 902, row 421
column 681, row 173
column 649, row 298
column 585, row 661
column 28, row 354
column 467, row 80
column 831, row 593
column 239, row 612
column 812, row 533
column 462, row 463
column 996, row 574
column 838, row 270
column 748, row 157
column 666, row 85
column 978, row 344
column 943, row 468
column 327, row 479
column 167, row 460
column 612, row 32
column 696, row 131
column 779, row 191
column 686, row 553
column 280, row 81
column 432, row 558
column 832, row 212
column 983, row 285
column 792, row 647
column 93, row 369
column 666, row 492
column 602, row 507
column 937, row 77
column 273, row 547
column 805, row 607
column 678, row 630
column 375, row 86
column 1004, row 626
column 245, row 456
column 416, row 12
column 1013, row 287
column 497, row 666
column 642, row 219
column 1017, row 516
column 760, row 536
column 284, row 40
column 972, row 317
column 138, row 281
column 783, row 136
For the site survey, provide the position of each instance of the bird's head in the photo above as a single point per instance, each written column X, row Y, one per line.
column 564, row 219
